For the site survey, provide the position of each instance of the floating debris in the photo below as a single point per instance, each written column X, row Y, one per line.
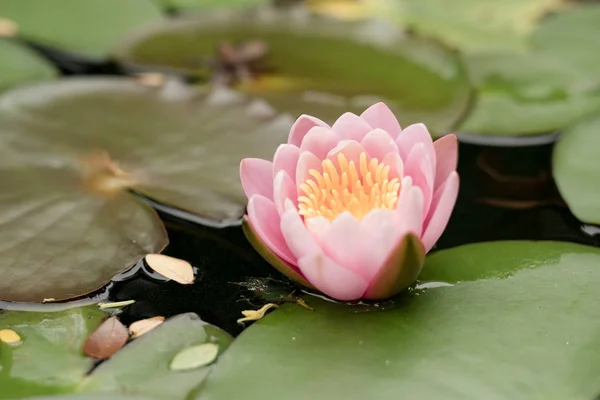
column 8, row 28
column 255, row 315
column 106, row 340
column 9, row 336
column 144, row 326
column 173, row 268
column 116, row 304
column 195, row 357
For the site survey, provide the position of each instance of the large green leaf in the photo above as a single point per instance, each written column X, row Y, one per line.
column 470, row 25
column 49, row 360
column 67, row 225
column 202, row 5
column 527, row 94
column 576, row 168
column 572, row 37
column 142, row 367
column 89, row 27
column 522, row 322
column 316, row 65
column 19, row 64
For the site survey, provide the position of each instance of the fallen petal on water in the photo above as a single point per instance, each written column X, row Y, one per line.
column 255, row 315
column 106, row 340
column 144, row 326
column 173, row 268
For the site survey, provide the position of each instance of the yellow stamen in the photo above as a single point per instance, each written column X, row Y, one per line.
column 348, row 187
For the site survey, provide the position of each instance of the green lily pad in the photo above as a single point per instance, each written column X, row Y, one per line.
column 501, row 320
column 49, row 359
column 203, row 5
column 67, row 223
column 470, row 25
column 316, row 65
column 576, row 168
column 89, row 397
column 572, row 36
column 143, row 366
column 18, row 65
column 89, row 27
column 527, row 94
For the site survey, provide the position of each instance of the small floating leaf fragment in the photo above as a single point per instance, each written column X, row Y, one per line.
column 9, row 336
column 195, row 357
column 116, row 304
column 255, row 315
column 106, row 340
column 173, row 268
column 300, row 301
column 152, row 79
column 144, row 326
column 48, row 300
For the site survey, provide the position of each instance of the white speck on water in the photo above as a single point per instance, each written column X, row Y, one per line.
column 433, row 285
column 293, row 337
column 567, row 343
column 387, row 362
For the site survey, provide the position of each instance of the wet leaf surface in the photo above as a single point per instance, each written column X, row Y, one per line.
column 173, row 268
column 493, row 323
column 19, row 65
column 106, row 340
column 316, row 66
column 142, row 367
column 576, row 168
column 50, row 359
column 89, row 27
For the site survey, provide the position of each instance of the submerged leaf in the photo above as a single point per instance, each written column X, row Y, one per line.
column 143, row 326
column 173, row 268
column 194, row 357
column 106, row 340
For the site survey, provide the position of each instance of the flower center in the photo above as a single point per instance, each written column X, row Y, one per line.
column 357, row 189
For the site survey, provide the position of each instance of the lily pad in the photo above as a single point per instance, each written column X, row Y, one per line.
column 572, row 36
column 576, row 168
column 316, row 65
column 49, row 360
column 18, row 65
column 143, row 366
column 527, row 94
column 203, row 5
column 89, row 27
column 501, row 320
column 70, row 150
column 471, row 25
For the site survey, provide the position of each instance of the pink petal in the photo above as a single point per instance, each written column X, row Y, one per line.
column 378, row 143
column 286, row 158
column 351, row 127
column 265, row 221
column 331, row 278
column 413, row 135
column 299, row 240
column 446, row 154
column 441, row 209
column 380, row 116
column 409, row 210
column 306, row 162
column 284, row 188
column 301, row 127
column 257, row 177
column 419, row 169
column 319, row 141
column 378, row 229
column 396, row 165
column 343, row 241
column 350, row 148
column 318, row 227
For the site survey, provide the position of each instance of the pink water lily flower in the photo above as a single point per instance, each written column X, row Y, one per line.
column 351, row 209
